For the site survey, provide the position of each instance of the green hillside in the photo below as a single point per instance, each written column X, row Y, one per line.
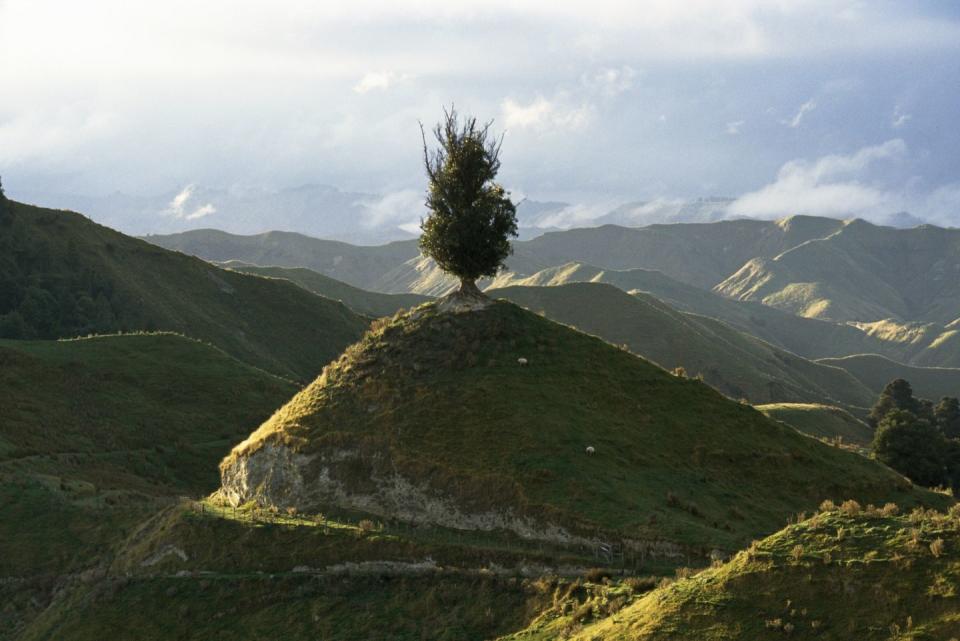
column 822, row 421
column 432, row 419
column 359, row 300
column 860, row 273
column 735, row 363
column 842, row 574
column 807, row 337
column 62, row 275
column 360, row 266
column 876, row 371
column 97, row 433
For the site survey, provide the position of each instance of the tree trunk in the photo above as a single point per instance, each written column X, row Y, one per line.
column 468, row 288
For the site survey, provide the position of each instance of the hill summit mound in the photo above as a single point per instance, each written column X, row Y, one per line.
column 499, row 419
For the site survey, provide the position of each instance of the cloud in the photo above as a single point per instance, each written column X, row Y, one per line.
column 545, row 114
column 805, row 108
column 379, row 80
column 179, row 206
column 899, row 118
column 830, row 186
column 610, row 82
column 733, row 128
column 402, row 209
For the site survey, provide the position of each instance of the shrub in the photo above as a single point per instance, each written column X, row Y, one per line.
column 850, row 508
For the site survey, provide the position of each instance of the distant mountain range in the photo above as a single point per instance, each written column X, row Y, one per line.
column 359, row 217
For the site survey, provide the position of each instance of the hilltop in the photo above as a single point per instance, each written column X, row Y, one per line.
column 63, row 276
column 432, row 418
column 735, row 363
column 849, row 573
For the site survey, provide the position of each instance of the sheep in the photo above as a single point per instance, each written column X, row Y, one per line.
column 522, row 360
column 591, row 450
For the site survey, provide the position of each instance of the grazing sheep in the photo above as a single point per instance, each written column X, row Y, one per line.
column 590, row 449
column 522, row 360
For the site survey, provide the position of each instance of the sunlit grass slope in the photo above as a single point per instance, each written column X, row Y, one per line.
column 822, row 421
column 839, row 575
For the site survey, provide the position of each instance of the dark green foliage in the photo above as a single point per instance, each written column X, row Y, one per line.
column 897, row 395
column 471, row 217
column 947, row 415
column 63, row 276
column 913, row 447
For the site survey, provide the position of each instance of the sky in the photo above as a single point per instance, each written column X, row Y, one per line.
column 832, row 107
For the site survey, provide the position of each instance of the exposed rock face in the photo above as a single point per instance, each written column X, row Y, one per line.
column 275, row 475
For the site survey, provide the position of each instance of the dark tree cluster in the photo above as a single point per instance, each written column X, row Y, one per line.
column 472, row 218
column 916, row 438
column 45, row 289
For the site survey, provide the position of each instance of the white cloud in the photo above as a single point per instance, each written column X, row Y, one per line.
column 545, row 114
column 830, row 186
column 179, row 207
column 733, row 128
column 398, row 209
column 805, row 108
column 610, row 82
column 899, row 118
column 379, row 80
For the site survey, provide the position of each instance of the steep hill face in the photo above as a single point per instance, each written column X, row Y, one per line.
column 62, row 275
column 433, row 418
column 860, row 273
column 735, row 363
column 839, row 575
column 361, row 301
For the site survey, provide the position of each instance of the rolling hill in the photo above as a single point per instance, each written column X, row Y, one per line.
column 861, row 272
column 98, row 433
column 875, row 372
column 849, row 573
column 822, row 421
column 361, row 301
column 62, row 275
column 735, row 363
column 432, row 419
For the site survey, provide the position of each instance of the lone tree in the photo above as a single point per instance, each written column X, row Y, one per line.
column 471, row 217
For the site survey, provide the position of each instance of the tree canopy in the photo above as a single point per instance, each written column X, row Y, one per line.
column 471, row 218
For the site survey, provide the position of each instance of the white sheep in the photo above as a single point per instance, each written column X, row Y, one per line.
column 591, row 450
column 522, row 360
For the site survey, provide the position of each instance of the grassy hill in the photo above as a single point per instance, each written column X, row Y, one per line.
column 860, row 273
column 842, row 574
column 876, row 371
column 807, row 337
column 735, row 363
column 432, row 419
column 822, row 421
column 360, row 266
column 96, row 434
column 62, row 275
column 361, row 301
